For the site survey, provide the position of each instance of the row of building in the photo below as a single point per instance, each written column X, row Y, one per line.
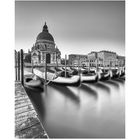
column 103, row 58
column 45, row 44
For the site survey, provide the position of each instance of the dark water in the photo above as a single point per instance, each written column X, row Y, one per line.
column 89, row 111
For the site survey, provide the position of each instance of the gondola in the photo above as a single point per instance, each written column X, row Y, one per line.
column 58, row 69
column 67, row 81
column 105, row 75
column 59, row 79
column 85, row 75
column 122, row 72
column 89, row 77
column 75, row 72
column 33, row 83
column 115, row 73
column 68, row 69
column 72, row 71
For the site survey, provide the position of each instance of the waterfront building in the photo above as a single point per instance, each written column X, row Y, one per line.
column 92, row 57
column 63, row 61
column 78, row 59
column 107, row 58
column 121, row 60
column 45, row 44
column 26, row 54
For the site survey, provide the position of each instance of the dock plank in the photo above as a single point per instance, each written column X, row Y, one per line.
column 27, row 124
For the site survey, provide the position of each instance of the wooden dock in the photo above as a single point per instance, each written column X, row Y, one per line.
column 27, row 124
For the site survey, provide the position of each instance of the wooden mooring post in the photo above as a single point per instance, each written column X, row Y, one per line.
column 78, row 65
column 31, row 66
column 15, row 65
column 104, row 65
column 18, row 64
column 65, row 64
column 97, row 64
column 88, row 65
column 46, row 68
column 116, row 63
column 22, row 67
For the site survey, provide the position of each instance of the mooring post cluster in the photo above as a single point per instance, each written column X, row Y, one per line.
column 19, row 66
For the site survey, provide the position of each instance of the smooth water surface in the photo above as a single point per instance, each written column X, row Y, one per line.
column 90, row 111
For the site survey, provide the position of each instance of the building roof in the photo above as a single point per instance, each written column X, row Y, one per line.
column 92, row 52
column 105, row 51
column 120, row 57
column 78, row 54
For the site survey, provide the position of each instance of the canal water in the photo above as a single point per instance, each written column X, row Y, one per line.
column 95, row 110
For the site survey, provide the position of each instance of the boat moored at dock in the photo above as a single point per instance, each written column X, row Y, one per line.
column 89, row 78
column 115, row 73
column 122, row 72
column 105, row 75
column 33, row 83
column 59, row 79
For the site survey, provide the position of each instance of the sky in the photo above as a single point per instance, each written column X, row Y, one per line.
column 77, row 27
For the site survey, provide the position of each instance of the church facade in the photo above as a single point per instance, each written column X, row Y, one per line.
column 45, row 45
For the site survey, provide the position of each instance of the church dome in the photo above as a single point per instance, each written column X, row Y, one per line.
column 45, row 35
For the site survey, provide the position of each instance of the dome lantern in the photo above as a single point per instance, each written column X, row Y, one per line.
column 45, row 28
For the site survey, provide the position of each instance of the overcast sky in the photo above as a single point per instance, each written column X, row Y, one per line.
column 77, row 27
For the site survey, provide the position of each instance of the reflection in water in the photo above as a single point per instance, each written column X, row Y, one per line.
column 102, row 86
column 82, row 112
column 66, row 92
column 120, row 80
column 88, row 90
column 113, row 83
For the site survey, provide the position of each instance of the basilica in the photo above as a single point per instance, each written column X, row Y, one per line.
column 45, row 44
